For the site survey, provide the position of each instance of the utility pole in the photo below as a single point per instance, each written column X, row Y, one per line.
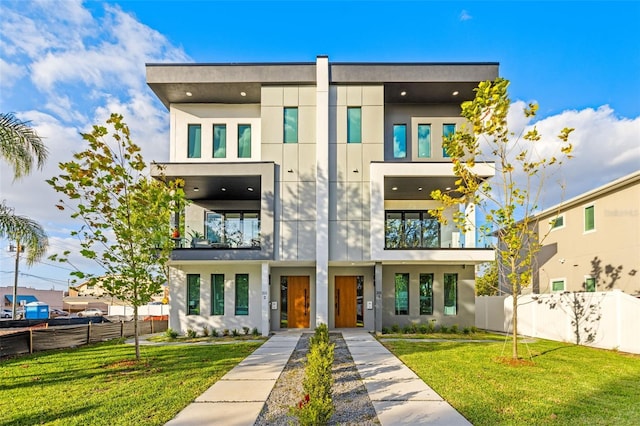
column 17, row 249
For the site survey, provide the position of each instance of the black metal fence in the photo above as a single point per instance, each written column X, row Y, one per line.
column 68, row 336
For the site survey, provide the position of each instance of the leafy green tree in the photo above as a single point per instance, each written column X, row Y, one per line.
column 487, row 282
column 510, row 198
column 21, row 147
column 125, row 214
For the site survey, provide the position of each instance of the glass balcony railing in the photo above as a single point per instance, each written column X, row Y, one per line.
column 226, row 230
column 415, row 230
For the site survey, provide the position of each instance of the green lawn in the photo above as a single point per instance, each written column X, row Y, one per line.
column 101, row 385
column 564, row 385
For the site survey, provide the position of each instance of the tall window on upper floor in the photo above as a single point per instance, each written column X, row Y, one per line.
column 217, row 294
column 424, row 140
column 589, row 284
column 557, row 285
column 589, row 218
column 558, row 222
column 193, row 294
column 411, row 230
column 402, row 294
column 219, row 141
column 194, row 141
column 354, row 125
column 233, row 229
column 244, row 141
column 426, row 294
column 399, row 141
column 242, row 294
column 291, row 125
column 447, row 131
column 450, row 294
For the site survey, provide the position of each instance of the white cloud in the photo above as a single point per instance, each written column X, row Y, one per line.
column 465, row 16
column 10, row 73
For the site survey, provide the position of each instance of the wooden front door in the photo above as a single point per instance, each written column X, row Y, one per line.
column 345, row 302
column 298, row 302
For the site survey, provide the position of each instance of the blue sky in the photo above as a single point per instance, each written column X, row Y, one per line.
column 65, row 65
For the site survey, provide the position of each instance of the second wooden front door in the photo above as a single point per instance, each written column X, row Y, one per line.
column 345, row 302
column 298, row 302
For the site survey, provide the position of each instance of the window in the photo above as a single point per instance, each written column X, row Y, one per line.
column 193, row 148
column 354, row 125
column 233, row 229
column 590, row 284
column 291, row 125
column 244, row 141
column 411, row 229
column 424, row 140
column 558, row 222
column 242, row 294
column 217, row 294
column 402, row 294
column 450, row 294
column 359, row 301
column 426, row 294
column 219, row 141
column 399, row 141
column 284, row 291
column 589, row 218
column 447, row 131
column 193, row 294
column 557, row 285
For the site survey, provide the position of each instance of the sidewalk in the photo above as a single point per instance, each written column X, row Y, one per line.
column 237, row 398
column 398, row 395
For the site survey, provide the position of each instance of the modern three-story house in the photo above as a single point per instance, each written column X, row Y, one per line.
column 309, row 188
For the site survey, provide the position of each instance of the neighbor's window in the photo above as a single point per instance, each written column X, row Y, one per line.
column 244, row 141
column 193, row 294
column 219, row 141
column 558, row 222
column 450, row 294
column 557, row 285
column 589, row 218
column 217, row 294
column 402, row 294
column 291, row 125
column 354, row 125
column 426, row 294
column 424, row 140
column 590, row 284
column 447, row 131
column 399, row 141
column 242, row 294
column 194, row 142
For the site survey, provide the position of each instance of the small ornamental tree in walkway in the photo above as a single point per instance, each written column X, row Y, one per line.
column 508, row 200
column 125, row 214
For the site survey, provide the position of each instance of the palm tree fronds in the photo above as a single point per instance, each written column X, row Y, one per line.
column 20, row 145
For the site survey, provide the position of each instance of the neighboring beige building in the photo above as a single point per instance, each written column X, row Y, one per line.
column 53, row 298
column 593, row 241
column 309, row 186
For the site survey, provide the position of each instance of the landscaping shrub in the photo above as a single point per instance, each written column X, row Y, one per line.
column 205, row 331
column 170, row 333
column 316, row 407
column 444, row 329
column 385, row 330
column 255, row 331
column 235, row 333
column 225, row 332
column 466, row 330
column 432, row 326
column 407, row 329
column 423, row 329
column 191, row 333
column 246, row 330
column 395, row 328
column 454, row 329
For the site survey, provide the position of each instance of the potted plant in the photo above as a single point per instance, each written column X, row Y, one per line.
column 197, row 239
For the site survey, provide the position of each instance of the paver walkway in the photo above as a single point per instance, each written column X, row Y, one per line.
column 398, row 395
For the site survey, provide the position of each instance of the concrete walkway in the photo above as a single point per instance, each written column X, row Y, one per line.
column 237, row 398
column 399, row 396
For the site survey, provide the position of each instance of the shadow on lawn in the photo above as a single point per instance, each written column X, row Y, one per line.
column 116, row 362
column 46, row 417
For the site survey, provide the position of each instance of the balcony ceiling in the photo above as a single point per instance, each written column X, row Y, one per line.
column 221, row 187
column 408, row 187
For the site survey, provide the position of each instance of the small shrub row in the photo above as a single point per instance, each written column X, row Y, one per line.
column 316, row 407
column 207, row 332
column 428, row 328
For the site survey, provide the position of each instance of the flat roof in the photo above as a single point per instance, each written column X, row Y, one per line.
column 241, row 82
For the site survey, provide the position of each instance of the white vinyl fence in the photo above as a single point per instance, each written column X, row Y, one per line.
column 143, row 311
column 608, row 320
